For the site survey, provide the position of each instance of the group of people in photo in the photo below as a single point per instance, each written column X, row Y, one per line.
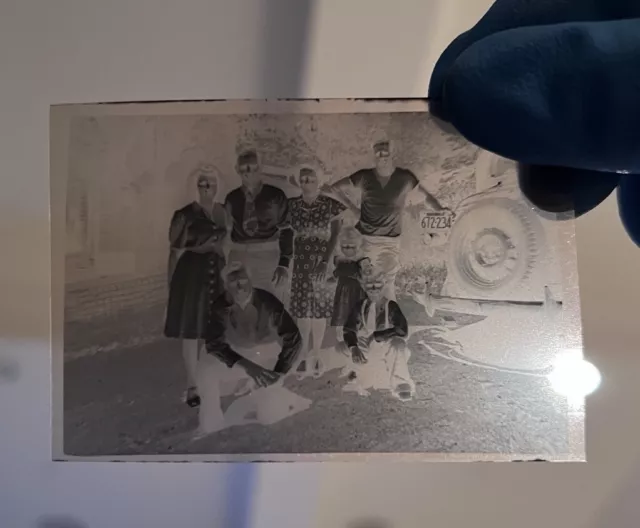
column 256, row 283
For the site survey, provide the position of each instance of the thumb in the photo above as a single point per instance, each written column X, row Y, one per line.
column 557, row 95
column 561, row 189
column 629, row 205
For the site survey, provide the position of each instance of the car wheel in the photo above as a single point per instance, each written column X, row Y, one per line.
column 494, row 246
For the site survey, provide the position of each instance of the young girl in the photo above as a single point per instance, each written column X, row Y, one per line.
column 348, row 266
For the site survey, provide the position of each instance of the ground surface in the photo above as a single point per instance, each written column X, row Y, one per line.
column 129, row 401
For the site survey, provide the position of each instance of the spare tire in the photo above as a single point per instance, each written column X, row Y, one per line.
column 493, row 246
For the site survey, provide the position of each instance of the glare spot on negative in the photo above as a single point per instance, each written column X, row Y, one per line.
column 574, row 377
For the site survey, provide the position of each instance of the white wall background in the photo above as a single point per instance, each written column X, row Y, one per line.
column 66, row 51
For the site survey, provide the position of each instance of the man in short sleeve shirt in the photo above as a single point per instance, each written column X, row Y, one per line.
column 384, row 190
column 260, row 236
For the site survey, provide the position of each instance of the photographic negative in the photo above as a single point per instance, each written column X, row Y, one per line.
column 301, row 280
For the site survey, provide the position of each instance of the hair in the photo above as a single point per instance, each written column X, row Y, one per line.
column 307, row 168
column 247, row 156
column 231, row 267
column 202, row 169
column 379, row 277
column 384, row 144
column 350, row 234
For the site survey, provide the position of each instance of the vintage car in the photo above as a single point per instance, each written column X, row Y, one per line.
column 501, row 300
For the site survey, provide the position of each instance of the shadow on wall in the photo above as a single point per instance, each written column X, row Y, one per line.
column 286, row 27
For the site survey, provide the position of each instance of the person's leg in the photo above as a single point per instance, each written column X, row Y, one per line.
column 359, row 375
column 318, row 328
column 384, row 254
column 209, row 375
column 190, row 358
column 402, row 385
column 304, row 326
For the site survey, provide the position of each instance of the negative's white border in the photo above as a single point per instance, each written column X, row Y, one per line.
column 60, row 119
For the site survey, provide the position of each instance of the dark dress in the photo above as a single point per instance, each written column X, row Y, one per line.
column 311, row 224
column 195, row 282
column 349, row 292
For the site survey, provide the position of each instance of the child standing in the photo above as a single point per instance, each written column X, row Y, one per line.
column 348, row 265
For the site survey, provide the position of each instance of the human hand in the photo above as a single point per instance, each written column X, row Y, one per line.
column 552, row 84
column 358, row 356
column 207, row 246
column 320, row 271
column 261, row 376
column 280, row 275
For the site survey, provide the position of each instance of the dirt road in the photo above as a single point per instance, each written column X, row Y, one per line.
column 128, row 401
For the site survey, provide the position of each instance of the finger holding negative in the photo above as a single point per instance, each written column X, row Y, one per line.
column 558, row 95
column 628, row 205
column 507, row 15
column 562, row 189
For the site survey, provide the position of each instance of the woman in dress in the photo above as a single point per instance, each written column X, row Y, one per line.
column 316, row 223
column 196, row 257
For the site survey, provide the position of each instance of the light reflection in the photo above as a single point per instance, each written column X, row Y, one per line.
column 573, row 376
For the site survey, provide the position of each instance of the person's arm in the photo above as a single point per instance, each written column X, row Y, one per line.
column 431, row 201
column 340, row 190
column 287, row 332
column 337, row 209
column 321, row 265
column 215, row 342
column 285, row 239
column 350, row 334
column 333, row 238
column 219, row 235
column 399, row 326
column 177, row 239
column 420, row 188
column 285, row 235
column 336, row 268
column 343, row 185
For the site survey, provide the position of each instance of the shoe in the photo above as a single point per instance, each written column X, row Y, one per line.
column 404, row 392
column 354, row 386
column 318, row 369
column 301, row 371
column 192, row 398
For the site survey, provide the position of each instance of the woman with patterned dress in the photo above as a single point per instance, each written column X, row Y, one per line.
column 316, row 224
column 196, row 258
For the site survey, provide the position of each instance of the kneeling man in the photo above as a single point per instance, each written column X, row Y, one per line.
column 252, row 342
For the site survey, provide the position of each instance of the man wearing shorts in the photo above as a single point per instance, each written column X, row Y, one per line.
column 384, row 190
